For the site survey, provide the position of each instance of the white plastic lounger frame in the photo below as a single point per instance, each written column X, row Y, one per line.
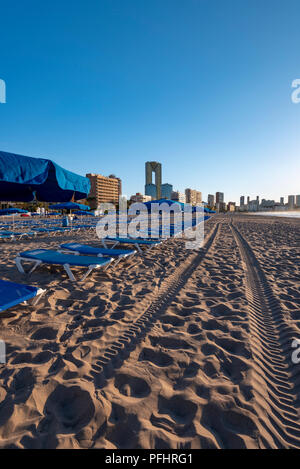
column 37, row 262
column 34, row 301
column 136, row 245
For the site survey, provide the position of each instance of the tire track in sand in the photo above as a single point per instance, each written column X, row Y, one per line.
column 274, row 377
column 114, row 355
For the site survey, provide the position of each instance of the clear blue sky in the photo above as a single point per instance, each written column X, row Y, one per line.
column 203, row 86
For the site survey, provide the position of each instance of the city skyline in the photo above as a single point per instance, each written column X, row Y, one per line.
column 213, row 104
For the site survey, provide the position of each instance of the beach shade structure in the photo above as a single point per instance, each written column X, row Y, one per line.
column 82, row 212
column 24, row 179
column 12, row 211
column 164, row 201
column 69, row 206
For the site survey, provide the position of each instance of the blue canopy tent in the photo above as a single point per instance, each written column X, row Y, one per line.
column 23, row 178
column 81, row 212
column 164, row 201
column 12, row 211
column 69, row 206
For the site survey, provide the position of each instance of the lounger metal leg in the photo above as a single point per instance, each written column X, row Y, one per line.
column 39, row 295
column 106, row 267
column 19, row 265
column 138, row 247
column 18, row 261
column 122, row 256
column 35, row 265
column 91, row 267
column 69, row 272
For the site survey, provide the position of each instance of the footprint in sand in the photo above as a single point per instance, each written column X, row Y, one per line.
column 158, row 358
column 44, row 333
column 67, row 410
column 132, row 386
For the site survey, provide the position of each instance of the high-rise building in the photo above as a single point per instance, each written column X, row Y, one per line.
column 112, row 176
column 291, row 201
column 219, row 197
column 166, row 191
column 298, row 201
column 153, row 167
column 104, row 189
column 211, row 200
column 281, row 200
column 193, row 197
column 248, row 200
column 178, row 196
column 242, row 200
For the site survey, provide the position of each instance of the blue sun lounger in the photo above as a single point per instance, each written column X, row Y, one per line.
column 12, row 294
column 6, row 236
column 137, row 243
column 49, row 257
column 15, row 235
column 77, row 248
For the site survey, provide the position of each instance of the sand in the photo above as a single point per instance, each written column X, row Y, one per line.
column 173, row 349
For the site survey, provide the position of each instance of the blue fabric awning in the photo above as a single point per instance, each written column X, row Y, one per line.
column 23, row 178
column 12, row 211
column 81, row 212
column 164, row 201
column 69, row 206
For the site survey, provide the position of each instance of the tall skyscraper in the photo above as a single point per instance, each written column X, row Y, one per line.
column 211, row 200
column 298, row 201
column 153, row 167
column 281, row 200
column 219, row 197
column 291, row 201
column 242, row 200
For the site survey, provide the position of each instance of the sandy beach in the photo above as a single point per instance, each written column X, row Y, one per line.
column 170, row 349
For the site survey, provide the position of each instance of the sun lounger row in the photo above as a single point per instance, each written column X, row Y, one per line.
column 70, row 255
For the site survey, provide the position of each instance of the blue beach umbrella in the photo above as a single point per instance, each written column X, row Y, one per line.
column 69, row 206
column 81, row 212
column 24, row 179
column 12, row 211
